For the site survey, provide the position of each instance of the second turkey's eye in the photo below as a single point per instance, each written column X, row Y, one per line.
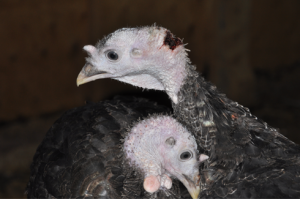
column 112, row 55
column 186, row 155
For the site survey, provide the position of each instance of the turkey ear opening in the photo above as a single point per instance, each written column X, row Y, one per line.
column 170, row 141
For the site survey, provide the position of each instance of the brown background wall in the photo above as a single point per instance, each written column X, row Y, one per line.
column 250, row 49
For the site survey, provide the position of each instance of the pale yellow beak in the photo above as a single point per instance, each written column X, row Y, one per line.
column 193, row 189
column 192, row 185
column 194, row 192
column 88, row 74
column 81, row 79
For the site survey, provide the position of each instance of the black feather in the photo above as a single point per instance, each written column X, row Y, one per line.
column 247, row 157
column 80, row 157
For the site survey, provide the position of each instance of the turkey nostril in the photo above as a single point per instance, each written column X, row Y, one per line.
column 88, row 68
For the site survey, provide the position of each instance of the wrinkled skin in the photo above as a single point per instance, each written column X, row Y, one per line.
column 247, row 157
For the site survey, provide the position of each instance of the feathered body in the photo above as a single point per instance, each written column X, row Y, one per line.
column 247, row 157
column 81, row 154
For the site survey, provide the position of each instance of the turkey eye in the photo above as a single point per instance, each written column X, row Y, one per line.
column 186, row 155
column 112, row 55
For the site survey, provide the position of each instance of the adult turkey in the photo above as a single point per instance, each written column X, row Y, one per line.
column 247, row 157
column 83, row 155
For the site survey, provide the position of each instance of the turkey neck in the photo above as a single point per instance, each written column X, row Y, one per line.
column 202, row 109
column 204, row 112
column 219, row 124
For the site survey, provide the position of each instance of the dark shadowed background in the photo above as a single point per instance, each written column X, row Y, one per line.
column 250, row 49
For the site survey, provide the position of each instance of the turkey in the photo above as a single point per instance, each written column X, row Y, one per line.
column 90, row 152
column 247, row 157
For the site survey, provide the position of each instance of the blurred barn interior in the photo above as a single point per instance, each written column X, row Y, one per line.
column 250, row 49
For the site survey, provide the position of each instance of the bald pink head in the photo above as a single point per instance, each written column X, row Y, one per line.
column 163, row 149
column 148, row 57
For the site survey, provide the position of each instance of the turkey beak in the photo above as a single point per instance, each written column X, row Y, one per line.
column 192, row 185
column 89, row 73
column 81, row 79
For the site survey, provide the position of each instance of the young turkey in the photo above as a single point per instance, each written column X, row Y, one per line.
column 83, row 155
column 247, row 157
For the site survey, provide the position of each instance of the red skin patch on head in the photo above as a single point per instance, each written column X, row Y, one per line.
column 172, row 41
column 151, row 184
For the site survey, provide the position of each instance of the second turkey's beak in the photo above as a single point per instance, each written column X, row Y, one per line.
column 89, row 73
column 192, row 185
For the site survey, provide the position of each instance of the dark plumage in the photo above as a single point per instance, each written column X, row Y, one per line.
column 81, row 154
column 247, row 157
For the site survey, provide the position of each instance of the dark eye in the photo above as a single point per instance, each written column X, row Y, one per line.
column 186, row 155
column 112, row 55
